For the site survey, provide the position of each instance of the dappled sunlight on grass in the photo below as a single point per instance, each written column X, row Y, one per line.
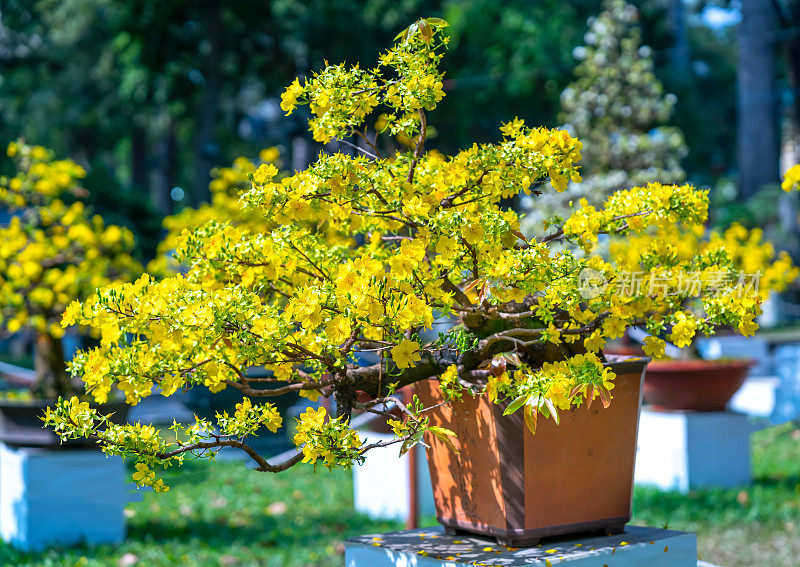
column 754, row 525
column 226, row 514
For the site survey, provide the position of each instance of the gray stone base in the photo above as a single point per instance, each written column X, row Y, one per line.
column 431, row 547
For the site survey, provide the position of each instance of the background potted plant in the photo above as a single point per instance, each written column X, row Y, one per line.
column 365, row 252
column 686, row 381
column 53, row 252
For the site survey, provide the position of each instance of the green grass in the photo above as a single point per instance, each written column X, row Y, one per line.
column 25, row 361
column 223, row 514
column 755, row 525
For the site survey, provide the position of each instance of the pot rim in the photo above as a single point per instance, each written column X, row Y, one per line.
column 624, row 364
column 700, row 364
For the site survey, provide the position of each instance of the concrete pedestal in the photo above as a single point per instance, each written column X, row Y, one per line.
column 381, row 484
column 431, row 548
column 682, row 450
column 60, row 497
column 757, row 396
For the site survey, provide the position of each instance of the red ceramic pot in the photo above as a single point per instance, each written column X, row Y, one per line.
column 698, row 385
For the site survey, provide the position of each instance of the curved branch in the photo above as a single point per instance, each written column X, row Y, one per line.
column 263, row 464
column 368, row 378
column 296, row 387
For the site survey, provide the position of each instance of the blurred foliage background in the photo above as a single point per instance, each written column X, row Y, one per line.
column 150, row 95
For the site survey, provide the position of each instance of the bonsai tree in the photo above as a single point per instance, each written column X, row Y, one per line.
column 617, row 107
column 53, row 252
column 365, row 253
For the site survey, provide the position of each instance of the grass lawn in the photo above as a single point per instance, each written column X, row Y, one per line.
column 757, row 525
column 223, row 514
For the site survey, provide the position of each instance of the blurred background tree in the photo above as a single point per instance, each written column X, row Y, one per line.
column 617, row 107
column 149, row 96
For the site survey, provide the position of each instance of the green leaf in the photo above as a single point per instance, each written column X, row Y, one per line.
column 543, row 407
column 411, row 442
column 444, row 435
column 437, row 22
column 436, row 430
column 552, row 409
column 531, row 416
column 425, row 31
column 605, row 396
column 516, row 404
column 512, row 358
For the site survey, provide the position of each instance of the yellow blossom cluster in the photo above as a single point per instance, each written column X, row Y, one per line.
column 406, row 81
column 226, row 185
column 358, row 255
column 53, row 251
column 330, row 441
column 703, row 272
column 791, row 179
column 247, row 419
column 555, row 386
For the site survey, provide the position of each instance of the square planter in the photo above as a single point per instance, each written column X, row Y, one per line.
column 62, row 497
column 517, row 486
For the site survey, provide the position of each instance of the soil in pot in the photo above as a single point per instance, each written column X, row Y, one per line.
column 518, row 487
column 696, row 385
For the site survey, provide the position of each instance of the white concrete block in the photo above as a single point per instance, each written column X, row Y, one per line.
column 682, row 450
column 756, row 397
column 381, row 484
column 61, row 497
column 430, row 547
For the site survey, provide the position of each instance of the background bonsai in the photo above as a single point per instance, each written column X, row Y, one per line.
column 365, row 253
column 617, row 107
column 52, row 253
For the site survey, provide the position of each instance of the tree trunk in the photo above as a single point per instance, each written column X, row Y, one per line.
column 345, row 396
column 139, row 173
column 205, row 150
column 51, row 369
column 165, row 170
column 757, row 136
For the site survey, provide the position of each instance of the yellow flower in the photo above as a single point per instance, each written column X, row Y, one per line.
column 290, row 95
column 473, row 233
column 143, row 474
column 264, row 173
column 270, row 154
column 683, row 330
column 653, row 346
column 791, row 178
column 398, row 427
column 406, row 353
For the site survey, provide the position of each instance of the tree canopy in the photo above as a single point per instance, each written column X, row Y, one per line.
column 365, row 252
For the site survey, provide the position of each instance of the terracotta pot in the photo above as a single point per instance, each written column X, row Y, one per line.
column 698, row 385
column 518, row 487
column 21, row 424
